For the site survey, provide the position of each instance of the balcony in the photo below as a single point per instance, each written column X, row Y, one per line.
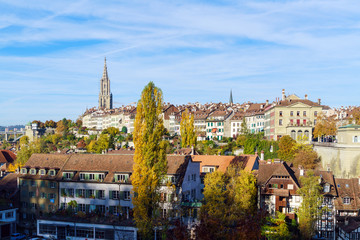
column 308, row 124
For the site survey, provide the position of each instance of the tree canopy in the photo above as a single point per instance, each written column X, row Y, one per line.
column 150, row 163
column 188, row 136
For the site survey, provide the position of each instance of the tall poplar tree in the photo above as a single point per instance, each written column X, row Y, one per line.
column 150, row 164
column 188, row 136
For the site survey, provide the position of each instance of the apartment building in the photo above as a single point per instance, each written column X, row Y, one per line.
column 218, row 125
column 100, row 185
column 291, row 116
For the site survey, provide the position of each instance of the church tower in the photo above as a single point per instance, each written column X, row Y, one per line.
column 105, row 96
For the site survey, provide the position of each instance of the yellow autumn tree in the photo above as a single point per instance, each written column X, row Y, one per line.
column 324, row 126
column 187, row 129
column 150, row 163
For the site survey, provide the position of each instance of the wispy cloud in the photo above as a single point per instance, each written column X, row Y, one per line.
column 51, row 53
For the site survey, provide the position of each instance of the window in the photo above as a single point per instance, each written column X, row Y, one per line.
column 52, row 172
column 101, row 194
column 298, row 113
column 91, row 176
column 122, row 177
column 280, row 114
column 327, row 188
column 47, row 229
column 355, row 139
column 43, row 195
column 70, row 192
column 315, row 113
column 101, row 177
column 280, row 122
column 90, row 193
column 100, row 208
column 42, row 172
column 67, row 175
column 115, row 194
column 32, row 171
column 126, row 195
column 82, row 207
column 52, row 184
column 31, row 194
column 9, row 214
column 23, row 171
column 290, row 186
column 304, row 122
column 304, row 113
column 346, row 200
column 33, row 183
column 82, row 176
column 291, row 113
column 81, row 193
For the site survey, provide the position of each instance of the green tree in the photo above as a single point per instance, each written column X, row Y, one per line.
column 24, row 140
column 188, row 136
column 50, row 124
column 229, row 210
column 124, row 129
column 276, row 228
column 310, row 208
column 287, row 148
column 102, row 144
column 150, row 163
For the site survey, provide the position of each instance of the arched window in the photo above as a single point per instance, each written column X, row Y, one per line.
column 293, row 134
column 299, row 134
column 307, row 133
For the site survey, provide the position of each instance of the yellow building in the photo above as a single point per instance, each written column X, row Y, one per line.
column 291, row 116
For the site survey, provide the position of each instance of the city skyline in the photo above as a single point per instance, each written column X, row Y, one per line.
column 52, row 54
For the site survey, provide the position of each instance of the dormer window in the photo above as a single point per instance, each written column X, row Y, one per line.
column 32, row 171
column 67, row 175
column 346, row 200
column 208, row 169
column 327, row 188
column 122, row 177
column 52, row 172
column 23, row 171
column 42, row 172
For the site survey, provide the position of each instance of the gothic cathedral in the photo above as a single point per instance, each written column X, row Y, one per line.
column 105, row 97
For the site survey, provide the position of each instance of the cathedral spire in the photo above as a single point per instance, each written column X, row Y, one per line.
column 105, row 73
column 105, row 96
column 231, row 98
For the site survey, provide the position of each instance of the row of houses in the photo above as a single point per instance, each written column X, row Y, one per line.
column 69, row 195
column 289, row 115
column 278, row 183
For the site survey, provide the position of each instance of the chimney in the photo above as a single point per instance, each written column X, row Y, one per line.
column 283, row 95
column 306, row 97
column 319, row 101
column 267, row 102
column 192, row 150
column 301, row 171
column 262, row 155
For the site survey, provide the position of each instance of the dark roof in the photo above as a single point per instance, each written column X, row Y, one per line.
column 347, row 188
column 351, row 226
column 7, row 156
column 267, row 170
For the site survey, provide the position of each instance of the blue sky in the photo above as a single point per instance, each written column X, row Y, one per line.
column 52, row 52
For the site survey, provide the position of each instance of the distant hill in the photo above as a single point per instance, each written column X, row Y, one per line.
column 2, row 128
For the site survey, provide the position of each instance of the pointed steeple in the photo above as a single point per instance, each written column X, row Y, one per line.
column 231, row 98
column 105, row 73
